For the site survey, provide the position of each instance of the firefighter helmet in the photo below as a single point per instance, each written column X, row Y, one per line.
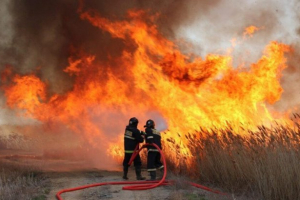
column 150, row 123
column 133, row 121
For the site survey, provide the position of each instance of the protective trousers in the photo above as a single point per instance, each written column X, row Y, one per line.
column 137, row 161
column 153, row 161
column 137, row 164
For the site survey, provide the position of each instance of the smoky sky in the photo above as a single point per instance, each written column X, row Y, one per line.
column 37, row 36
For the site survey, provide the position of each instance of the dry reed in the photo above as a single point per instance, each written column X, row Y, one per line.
column 265, row 162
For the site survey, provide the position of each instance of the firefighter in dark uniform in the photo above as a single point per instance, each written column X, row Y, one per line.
column 132, row 137
column 153, row 158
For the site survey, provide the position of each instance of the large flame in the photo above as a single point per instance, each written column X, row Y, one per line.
column 153, row 76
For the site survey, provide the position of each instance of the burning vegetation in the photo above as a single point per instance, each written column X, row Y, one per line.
column 217, row 118
column 153, row 75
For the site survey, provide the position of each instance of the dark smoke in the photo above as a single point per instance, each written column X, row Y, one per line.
column 41, row 33
column 39, row 36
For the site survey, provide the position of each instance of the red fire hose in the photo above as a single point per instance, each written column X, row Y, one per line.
column 140, row 185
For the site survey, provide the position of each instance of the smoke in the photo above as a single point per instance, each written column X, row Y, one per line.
column 291, row 80
column 214, row 30
column 39, row 36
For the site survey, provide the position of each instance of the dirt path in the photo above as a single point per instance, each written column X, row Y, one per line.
column 78, row 177
column 113, row 192
column 65, row 180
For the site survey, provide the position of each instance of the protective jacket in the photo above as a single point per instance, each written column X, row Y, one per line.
column 132, row 137
column 153, row 136
column 153, row 157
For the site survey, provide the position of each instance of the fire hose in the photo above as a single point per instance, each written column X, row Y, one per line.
column 139, row 185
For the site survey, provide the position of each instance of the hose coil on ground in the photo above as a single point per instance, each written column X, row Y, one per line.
column 139, row 185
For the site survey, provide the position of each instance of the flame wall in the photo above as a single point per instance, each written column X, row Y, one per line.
column 80, row 70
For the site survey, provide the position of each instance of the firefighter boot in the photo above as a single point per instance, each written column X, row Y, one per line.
column 125, row 171
column 138, row 172
column 161, row 173
column 152, row 175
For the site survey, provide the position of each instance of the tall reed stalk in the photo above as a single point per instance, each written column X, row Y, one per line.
column 265, row 162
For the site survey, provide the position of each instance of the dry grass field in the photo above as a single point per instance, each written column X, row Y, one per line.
column 19, row 182
column 263, row 163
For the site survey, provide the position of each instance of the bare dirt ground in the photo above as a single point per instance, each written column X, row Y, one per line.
column 63, row 174
column 113, row 192
column 179, row 191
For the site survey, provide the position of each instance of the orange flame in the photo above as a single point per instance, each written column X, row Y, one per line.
column 250, row 30
column 28, row 93
column 155, row 76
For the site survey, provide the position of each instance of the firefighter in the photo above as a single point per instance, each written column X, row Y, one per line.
column 132, row 138
column 153, row 158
